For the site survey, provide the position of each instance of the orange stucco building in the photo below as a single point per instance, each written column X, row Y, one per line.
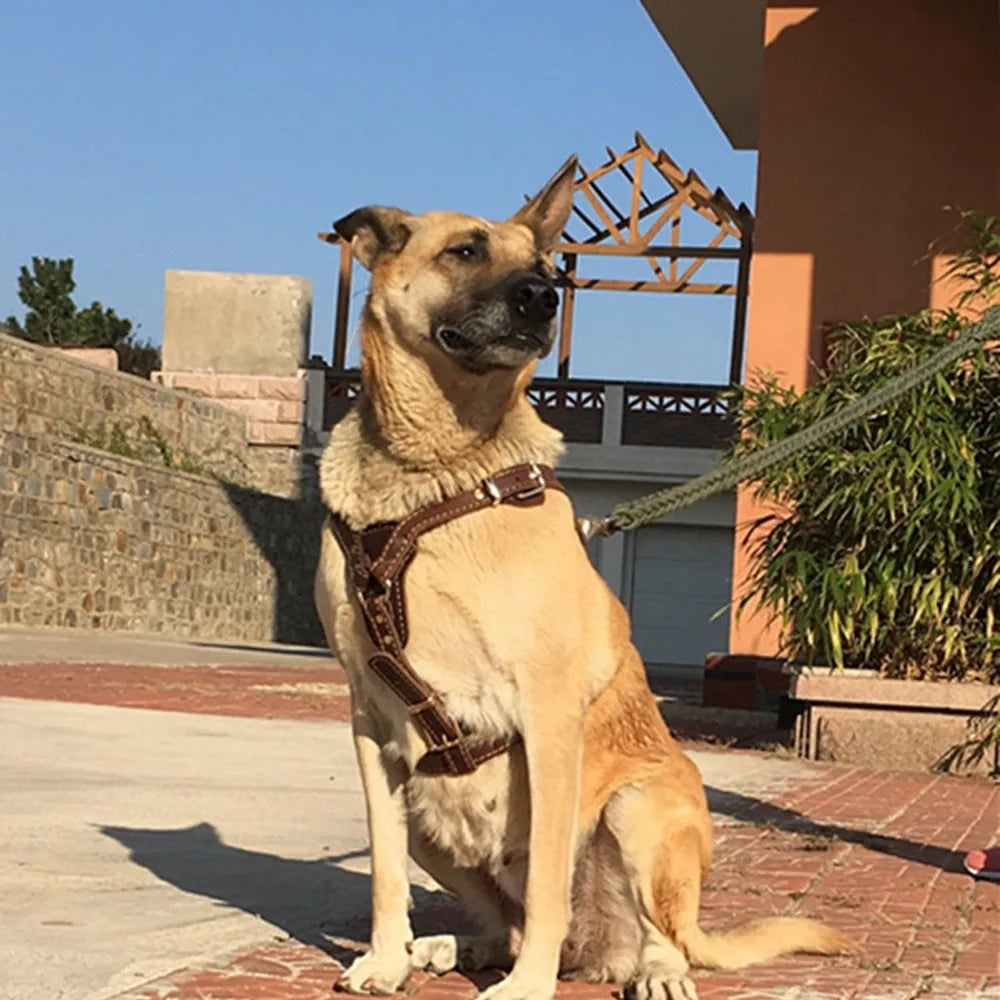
column 870, row 117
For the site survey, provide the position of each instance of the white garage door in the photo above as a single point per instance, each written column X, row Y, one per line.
column 681, row 577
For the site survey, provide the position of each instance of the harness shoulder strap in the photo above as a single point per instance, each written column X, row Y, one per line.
column 377, row 558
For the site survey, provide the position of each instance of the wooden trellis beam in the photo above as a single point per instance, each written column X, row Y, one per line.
column 616, row 230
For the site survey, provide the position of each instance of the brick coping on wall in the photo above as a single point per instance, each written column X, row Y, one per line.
column 274, row 405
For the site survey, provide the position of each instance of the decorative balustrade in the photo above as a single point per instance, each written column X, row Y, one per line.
column 669, row 415
column 341, row 389
column 660, row 414
column 575, row 406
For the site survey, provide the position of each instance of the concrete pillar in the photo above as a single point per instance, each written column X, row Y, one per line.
column 614, row 414
column 315, row 378
column 246, row 324
column 242, row 340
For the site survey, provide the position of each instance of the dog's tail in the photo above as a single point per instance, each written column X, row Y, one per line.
column 761, row 940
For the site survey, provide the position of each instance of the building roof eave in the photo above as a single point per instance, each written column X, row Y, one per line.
column 719, row 44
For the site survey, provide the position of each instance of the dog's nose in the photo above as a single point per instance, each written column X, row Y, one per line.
column 534, row 298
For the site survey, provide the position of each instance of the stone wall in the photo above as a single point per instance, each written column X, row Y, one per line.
column 125, row 505
column 47, row 395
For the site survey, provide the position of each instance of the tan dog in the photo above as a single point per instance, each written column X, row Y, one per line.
column 582, row 849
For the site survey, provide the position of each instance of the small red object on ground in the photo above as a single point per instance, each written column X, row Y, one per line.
column 984, row 864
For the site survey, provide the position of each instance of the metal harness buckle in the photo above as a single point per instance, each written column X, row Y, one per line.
column 535, row 474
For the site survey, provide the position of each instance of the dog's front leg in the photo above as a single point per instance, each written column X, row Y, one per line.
column 553, row 740
column 386, row 966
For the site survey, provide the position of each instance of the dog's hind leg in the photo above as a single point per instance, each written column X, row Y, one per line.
column 664, row 839
column 664, row 831
column 603, row 940
column 500, row 917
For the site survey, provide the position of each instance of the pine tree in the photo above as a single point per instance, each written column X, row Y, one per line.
column 52, row 317
column 96, row 326
column 46, row 292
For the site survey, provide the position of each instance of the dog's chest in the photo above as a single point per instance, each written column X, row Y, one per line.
column 472, row 621
column 479, row 820
column 468, row 683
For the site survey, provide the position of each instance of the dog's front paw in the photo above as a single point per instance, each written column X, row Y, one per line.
column 376, row 974
column 516, row 987
column 441, row 953
column 661, row 984
column 437, row 953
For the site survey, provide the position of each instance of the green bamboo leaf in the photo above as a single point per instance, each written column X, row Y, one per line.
column 836, row 648
column 873, row 624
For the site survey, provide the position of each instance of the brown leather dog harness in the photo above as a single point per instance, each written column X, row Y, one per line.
column 377, row 558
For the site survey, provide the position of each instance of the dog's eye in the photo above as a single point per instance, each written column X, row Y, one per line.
column 465, row 251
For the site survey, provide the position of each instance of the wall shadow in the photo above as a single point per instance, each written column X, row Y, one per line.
column 857, row 168
column 286, row 530
column 980, row 750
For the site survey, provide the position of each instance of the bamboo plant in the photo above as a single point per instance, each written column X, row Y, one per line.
column 886, row 550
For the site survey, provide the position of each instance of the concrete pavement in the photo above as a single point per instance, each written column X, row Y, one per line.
column 139, row 841
column 51, row 645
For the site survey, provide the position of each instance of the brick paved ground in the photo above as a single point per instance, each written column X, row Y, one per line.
column 878, row 854
column 257, row 692
column 294, row 692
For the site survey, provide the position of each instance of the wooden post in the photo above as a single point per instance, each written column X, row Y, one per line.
column 566, row 319
column 343, row 306
column 742, row 297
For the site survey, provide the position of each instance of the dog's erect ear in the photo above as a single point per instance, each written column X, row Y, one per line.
column 547, row 213
column 374, row 230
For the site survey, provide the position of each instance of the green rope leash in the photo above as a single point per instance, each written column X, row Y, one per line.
column 645, row 510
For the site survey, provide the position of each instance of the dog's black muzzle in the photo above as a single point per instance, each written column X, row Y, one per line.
column 507, row 327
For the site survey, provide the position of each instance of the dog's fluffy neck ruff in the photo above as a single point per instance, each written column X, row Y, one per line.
column 418, row 435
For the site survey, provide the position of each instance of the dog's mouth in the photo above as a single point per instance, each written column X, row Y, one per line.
column 453, row 340
column 527, row 340
column 478, row 351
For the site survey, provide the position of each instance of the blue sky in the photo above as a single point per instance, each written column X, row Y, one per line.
column 223, row 135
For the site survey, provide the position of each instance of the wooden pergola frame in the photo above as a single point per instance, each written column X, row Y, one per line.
column 630, row 231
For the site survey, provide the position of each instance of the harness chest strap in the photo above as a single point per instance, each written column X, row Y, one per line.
column 377, row 558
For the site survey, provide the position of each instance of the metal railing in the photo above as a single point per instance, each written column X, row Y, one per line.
column 596, row 411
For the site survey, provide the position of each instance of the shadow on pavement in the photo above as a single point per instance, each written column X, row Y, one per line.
column 315, row 900
column 761, row 813
column 311, row 652
column 307, row 899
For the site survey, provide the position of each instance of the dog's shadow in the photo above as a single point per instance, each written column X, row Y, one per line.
column 311, row 900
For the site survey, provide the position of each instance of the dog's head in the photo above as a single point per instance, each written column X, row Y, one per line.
column 463, row 291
